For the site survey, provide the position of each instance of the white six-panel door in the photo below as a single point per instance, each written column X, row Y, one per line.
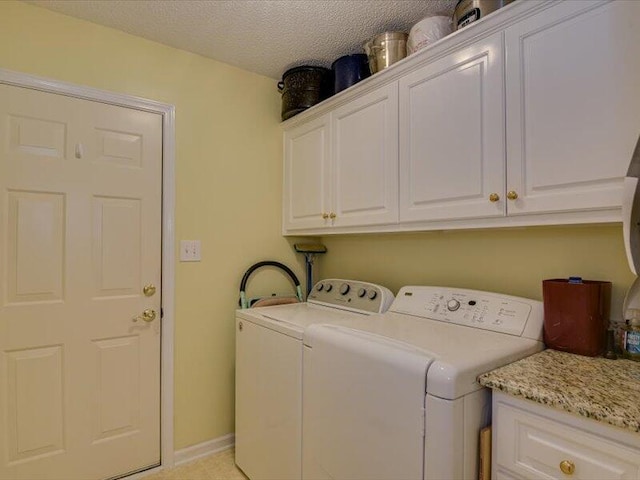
column 80, row 237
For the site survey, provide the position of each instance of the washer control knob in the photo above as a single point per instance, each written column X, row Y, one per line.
column 344, row 288
column 453, row 305
column 319, row 287
column 372, row 294
column 362, row 292
column 328, row 287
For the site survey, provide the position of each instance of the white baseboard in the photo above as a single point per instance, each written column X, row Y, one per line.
column 203, row 449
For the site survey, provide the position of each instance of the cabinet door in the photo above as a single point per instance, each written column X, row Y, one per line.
column 573, row 105
column 451, row 136
column 306, row 164
column 535, row 447
column 365, row 159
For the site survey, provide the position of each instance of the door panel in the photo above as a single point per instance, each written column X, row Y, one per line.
column 35, row 240
column 80, row 216
column 35, row 401
column 36, row 137
column 118, row 386
column 117, row 255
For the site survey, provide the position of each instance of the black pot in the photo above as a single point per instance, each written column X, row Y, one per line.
column 303, row 87
column 349, row 70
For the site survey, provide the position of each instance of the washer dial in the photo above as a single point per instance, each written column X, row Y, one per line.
column 453, row 305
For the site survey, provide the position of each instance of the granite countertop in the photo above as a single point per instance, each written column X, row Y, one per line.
column 594, row 387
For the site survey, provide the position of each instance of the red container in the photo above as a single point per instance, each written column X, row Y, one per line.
column 576, row 315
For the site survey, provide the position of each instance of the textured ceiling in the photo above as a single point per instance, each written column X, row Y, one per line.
column 262, row 36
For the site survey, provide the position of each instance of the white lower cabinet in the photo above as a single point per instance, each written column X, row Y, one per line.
column 531, row 441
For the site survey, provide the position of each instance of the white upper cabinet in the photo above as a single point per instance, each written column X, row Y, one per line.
column 526, row 117
column 452, row 136
column 306, row 175
column 573, row 105
column 341, row 169
column 365, row 159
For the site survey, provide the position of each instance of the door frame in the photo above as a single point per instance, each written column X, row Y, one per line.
column 167, row 111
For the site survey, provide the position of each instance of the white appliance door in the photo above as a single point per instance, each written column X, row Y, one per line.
column 268, row 390
column 363, row 406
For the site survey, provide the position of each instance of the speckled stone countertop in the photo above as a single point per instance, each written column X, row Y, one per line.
column 605, row 390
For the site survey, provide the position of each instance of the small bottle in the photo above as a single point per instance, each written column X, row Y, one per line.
column 631, row 343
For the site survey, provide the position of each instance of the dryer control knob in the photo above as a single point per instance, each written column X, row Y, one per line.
column 344, row 288
column 372, row 294
column 362, row 292
column 319, row 287
column 328, row 287
column 453, row 305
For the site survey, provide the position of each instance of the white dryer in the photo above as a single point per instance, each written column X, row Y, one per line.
column 269, row 372
column 396, row 397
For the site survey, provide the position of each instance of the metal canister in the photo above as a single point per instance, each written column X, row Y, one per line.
column 386, row 49
column 468, row 11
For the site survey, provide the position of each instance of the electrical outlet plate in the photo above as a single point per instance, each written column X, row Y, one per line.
column 190, row 251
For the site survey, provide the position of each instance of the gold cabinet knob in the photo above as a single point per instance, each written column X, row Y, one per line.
column 332, row 215
column 325, row 215
column 567, row 467
column 149, row 290
column 512, row 195
column 494, row 197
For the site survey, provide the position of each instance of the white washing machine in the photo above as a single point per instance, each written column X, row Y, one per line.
column 396, row 397
column 269, row 372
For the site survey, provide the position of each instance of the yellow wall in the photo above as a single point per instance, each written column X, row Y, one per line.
column 228, row 169
column 513, row 261
column 228, row 172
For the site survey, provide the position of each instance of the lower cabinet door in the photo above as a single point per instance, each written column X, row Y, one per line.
column 535, row 447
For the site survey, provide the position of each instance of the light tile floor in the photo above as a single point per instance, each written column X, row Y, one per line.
column 219, row 466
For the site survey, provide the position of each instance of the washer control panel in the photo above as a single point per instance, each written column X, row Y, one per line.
column 351, row 295
column 471, row 308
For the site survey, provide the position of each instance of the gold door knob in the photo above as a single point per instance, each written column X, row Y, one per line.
column 332, row 215
column 149, row 290
column 567, row 467
column 325, row 215
column 512, row 195
column 494, row 197
column 149, row 315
